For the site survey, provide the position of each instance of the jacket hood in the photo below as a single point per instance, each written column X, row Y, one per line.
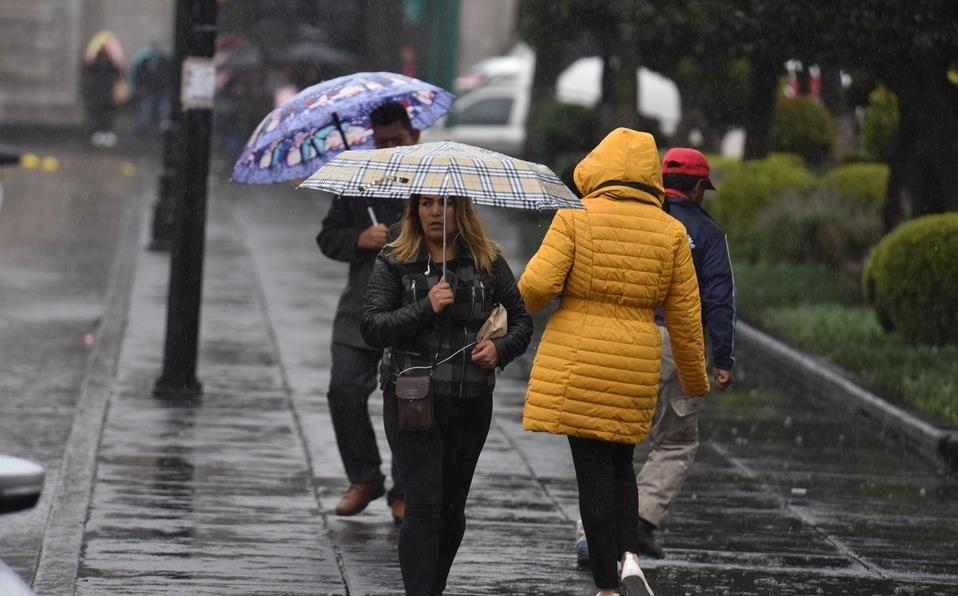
column 625, row 165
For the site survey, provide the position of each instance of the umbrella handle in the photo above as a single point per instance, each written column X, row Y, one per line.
column 339, row 127
column 444, row 237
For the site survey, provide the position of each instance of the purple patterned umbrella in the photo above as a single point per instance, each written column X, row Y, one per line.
column 307, row 130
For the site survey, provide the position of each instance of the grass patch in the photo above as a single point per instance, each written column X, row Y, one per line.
column 759, row 286
column 821, row 311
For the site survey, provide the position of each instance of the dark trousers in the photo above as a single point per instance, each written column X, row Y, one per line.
column 608, row 504
column 100, row 117
column 437, row 467
column 353, row 378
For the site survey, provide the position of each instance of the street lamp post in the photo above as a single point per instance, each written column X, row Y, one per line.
column 196, row 37
column 164, row 209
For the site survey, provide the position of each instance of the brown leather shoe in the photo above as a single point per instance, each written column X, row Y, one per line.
column 398, row 509
column 358, row 496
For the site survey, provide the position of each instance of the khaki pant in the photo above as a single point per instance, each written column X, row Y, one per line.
column 674, row 438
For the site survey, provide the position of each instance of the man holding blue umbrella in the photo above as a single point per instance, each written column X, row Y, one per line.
column 358, row 111
column 354, row 231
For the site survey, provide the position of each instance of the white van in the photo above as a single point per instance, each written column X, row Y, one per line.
column 492, row 114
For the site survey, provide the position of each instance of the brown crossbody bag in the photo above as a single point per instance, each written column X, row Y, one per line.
column 414, row 385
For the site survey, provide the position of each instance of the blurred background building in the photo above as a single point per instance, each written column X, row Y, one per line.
column 41, row 46
column 266, row 44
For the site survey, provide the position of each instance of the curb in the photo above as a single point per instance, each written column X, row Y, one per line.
column 61, row 549
column 821, row 377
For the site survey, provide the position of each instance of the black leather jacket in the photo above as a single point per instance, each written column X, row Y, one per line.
column 398, row 317
column 345, row 221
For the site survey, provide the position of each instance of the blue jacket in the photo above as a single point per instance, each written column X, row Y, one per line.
column 713, row 268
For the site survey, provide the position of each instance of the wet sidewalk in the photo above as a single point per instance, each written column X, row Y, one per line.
column 234, row 494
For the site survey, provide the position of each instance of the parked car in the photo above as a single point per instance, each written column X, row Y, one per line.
column 8, row 157
column 21, row 480
column 493, row 110
column 493, row 117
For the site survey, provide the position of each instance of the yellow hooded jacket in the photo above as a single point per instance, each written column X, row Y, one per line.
column 596, row 371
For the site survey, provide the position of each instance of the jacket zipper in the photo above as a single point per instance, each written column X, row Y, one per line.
column 465, row 338
column 413, row 290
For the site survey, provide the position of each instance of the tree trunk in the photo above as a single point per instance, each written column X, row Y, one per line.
column 625, row 92
column 846, row 130
column 607, row 86
column 761, row 106
column 550, row 60
column 923, row 174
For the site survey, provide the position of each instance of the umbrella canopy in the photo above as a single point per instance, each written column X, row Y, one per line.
column 446, row 169
column 106, row 41
column 307, row 130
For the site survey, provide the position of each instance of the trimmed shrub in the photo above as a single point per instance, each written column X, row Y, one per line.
column 747, row 187
column 560, row 130
column 816, row 227
column 802, row 126
column 863, row 184
column 880, row 124
column 911, row 279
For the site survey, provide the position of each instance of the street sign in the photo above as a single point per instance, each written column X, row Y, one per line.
column 197, row 84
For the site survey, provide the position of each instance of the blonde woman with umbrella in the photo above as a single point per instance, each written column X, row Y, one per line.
column 430, row 297
column 422, row 319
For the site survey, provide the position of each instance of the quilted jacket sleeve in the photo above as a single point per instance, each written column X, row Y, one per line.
column 683, row 318
column 385, row 322
column 514, row 343
column 545, row 275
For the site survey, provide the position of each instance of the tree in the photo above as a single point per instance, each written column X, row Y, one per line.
column 910, row 47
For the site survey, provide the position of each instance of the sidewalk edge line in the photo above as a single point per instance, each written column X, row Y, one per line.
column 783, row 503
column 920, row 436
column 60, row 551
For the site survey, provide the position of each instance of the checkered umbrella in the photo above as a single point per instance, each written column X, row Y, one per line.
column 444, row 169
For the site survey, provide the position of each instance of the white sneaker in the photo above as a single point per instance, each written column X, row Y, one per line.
column 633, row 580
column 109, row 139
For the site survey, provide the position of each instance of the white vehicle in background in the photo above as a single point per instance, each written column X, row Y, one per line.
column 492, row 111
column 21, row 482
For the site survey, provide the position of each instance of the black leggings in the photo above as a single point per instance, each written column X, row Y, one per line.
column 436, row 466
column 608, row 504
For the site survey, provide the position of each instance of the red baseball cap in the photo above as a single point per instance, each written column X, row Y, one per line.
column 684, row 160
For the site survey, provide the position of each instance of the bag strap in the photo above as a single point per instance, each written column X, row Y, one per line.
column 445, row 328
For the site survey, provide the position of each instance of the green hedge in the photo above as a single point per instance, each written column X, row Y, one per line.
column 816, row 227
column 864, row 184
column 802, row 126
column 911, row 279
column 880, row 124
column 747, row 187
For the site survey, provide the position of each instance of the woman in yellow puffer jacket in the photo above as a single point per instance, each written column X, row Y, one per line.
column 596, row 372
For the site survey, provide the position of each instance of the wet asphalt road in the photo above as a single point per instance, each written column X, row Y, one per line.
column 234, row 494
column 58, row 229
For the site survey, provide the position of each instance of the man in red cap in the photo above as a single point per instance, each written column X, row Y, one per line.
column 675, row 435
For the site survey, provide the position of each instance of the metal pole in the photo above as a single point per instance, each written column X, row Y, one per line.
column 178, row 379
column 161, row 230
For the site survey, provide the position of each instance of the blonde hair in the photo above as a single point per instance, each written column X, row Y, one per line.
column 410, row 241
